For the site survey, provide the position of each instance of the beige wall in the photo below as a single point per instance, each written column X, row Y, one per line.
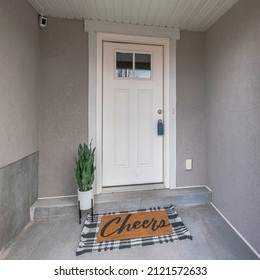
column 233, row 88
column 63, row 104
column 191, row 109
column 19, row 81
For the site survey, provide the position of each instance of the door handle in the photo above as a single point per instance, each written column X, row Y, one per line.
column 160, row 128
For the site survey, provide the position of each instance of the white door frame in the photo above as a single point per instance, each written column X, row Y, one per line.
column 96, row 38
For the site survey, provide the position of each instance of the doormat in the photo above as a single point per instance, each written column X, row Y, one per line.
column 127, row 229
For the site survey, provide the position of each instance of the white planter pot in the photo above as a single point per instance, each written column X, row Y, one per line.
column 84, row 199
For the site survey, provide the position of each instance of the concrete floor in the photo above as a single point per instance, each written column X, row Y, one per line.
column 57, row 239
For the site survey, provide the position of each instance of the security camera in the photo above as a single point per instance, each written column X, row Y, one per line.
column 42, row 21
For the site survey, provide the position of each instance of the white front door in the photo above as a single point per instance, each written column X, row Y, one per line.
column 132, row 107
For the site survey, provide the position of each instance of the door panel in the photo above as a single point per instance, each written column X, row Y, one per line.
column 145, row 127
column 132, row 96
column 121, row 128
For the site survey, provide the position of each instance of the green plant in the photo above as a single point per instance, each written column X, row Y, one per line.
column 85, row 167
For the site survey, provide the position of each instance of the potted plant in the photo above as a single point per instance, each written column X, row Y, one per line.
column 84, row 172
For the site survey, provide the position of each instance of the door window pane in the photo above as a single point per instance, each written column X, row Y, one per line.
column 142, row 65
column 133, row 65
column 124, row 65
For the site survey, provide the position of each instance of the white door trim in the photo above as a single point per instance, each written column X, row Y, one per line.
column 95, row 89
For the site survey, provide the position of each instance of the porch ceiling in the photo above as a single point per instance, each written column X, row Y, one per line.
column 192, row 15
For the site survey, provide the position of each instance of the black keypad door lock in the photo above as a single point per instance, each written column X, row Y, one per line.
column 160, row 128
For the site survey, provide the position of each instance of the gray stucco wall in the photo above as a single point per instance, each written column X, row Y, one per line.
column 63, row 110
column 233, row 89
column 19, row 80
column 19, row 89
column 191, row 109
column 63, row 104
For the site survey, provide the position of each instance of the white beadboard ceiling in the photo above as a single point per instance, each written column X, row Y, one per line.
column 192, row 15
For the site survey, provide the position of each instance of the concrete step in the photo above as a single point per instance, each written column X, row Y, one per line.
column 118, row 201
column 45, row 208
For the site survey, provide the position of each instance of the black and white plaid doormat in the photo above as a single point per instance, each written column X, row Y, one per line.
column 88, row 240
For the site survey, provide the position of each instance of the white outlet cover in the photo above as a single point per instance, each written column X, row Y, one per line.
column 188, row 164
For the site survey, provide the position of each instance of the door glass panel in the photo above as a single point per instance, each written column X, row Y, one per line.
column 143, row 65
column 124, row 65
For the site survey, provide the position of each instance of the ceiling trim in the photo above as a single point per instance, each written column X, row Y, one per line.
column 131, row 29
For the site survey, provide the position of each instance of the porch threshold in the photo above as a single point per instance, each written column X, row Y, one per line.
column 46, row 208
